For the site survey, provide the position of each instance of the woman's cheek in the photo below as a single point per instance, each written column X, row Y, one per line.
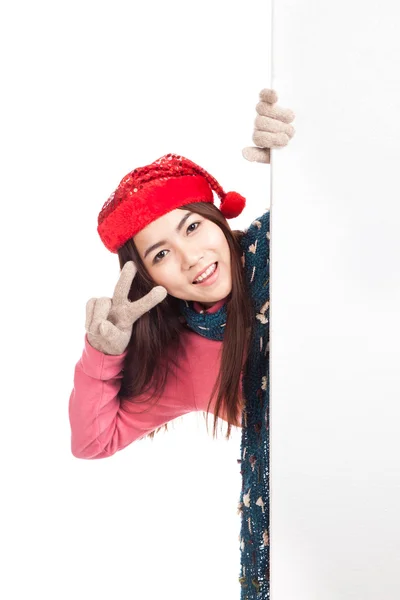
column 166, row 277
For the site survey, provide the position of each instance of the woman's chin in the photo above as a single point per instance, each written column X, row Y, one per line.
column 212, row 296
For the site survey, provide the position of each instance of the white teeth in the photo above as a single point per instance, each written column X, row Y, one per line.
column 206, row 273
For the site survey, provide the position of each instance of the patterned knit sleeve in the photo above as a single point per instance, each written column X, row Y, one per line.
column 255, row 246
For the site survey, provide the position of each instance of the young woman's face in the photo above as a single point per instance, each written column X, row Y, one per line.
column 180, row 255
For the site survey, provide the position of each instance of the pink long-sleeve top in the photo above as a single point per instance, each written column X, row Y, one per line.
column 102, row 423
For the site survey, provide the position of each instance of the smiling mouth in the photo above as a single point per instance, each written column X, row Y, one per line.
column 208, row 276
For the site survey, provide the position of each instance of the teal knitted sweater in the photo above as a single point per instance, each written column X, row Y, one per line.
column 254, row 451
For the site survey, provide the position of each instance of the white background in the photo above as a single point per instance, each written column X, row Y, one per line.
column 335, row 321
column 93, row 90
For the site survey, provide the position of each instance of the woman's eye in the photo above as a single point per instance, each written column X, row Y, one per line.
column 191, row 225
column 158, row 258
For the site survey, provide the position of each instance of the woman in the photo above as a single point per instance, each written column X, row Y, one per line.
column 187, row 327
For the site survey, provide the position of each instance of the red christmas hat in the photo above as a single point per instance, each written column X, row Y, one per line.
column 149, row 192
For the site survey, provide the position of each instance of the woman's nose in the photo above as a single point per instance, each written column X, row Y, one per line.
column 190, row 260
column 189, row 256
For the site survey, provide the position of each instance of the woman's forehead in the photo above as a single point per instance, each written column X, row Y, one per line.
column 157, row 232
column 164, row 223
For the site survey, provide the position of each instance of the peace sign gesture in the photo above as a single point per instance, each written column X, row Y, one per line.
column 109, row 321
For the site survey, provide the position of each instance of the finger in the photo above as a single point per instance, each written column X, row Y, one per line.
column 149, row 301
column 109, row 331
column 268, row 95
column 261, row 155
column 100, row 313
column 264, row 139
column 276, row 112
column 124, row 283
column 89, row 312
column 273, row 125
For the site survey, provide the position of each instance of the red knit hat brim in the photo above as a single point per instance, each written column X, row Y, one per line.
column 149, row 203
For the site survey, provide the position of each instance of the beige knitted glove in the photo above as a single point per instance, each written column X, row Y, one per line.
column 271, row 128
column 109, row 321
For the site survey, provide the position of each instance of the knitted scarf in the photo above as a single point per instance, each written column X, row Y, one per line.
column 254, row 451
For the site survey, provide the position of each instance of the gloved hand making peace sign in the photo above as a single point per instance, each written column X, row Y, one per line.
column 271, row 128
column 109, row 321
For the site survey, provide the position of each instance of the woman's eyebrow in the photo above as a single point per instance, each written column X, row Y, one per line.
column 162, row 242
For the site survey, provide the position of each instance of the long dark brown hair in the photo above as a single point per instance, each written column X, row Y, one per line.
column 157, row 333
